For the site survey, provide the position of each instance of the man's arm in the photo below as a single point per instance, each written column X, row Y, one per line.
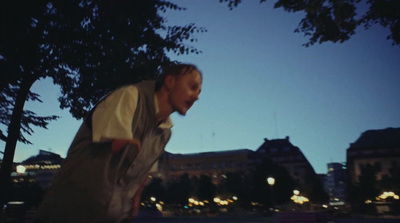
column 136, row 198
column 118, row 144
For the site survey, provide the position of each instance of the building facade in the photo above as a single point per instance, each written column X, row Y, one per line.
column 284, row 153
column 40, row 168
column 217, row 164
column 213, row 164
column 335, row 183
column 378, row 148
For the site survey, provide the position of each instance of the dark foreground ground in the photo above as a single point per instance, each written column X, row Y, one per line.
column 254, row 219
column 299, row 217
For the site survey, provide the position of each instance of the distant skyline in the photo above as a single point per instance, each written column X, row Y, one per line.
column 260, row 82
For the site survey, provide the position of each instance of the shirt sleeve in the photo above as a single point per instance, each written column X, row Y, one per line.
column 112, row 118
column 154, row 168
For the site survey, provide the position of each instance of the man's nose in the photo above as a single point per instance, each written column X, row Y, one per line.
column 196, row 95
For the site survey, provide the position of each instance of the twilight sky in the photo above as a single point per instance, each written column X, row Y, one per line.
column 260, row 82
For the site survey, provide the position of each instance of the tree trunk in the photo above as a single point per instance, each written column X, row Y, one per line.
column 12, row 138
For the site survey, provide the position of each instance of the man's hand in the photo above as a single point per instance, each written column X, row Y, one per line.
column 136, row 199
column 117, row 144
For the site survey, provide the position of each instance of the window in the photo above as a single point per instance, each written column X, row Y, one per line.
column 378, row 166
column 394, row 164
column 274, row 150
column 286, row 149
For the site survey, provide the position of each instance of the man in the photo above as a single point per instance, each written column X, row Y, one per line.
column 117, row 146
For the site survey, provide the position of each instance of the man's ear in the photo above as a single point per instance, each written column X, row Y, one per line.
column 169, row 82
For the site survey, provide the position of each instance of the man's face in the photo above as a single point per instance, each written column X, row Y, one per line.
column 185, row 91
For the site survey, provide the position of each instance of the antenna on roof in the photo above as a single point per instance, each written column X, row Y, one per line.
column 213, row 137
column 276, row 125
column 201, row 142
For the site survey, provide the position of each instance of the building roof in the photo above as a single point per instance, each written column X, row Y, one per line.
column 44, row 157
column 210, row 154
column 382, row 138
column 269, row 145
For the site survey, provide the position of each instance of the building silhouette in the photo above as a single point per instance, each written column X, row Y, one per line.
column 378, row 148
column 217, row 164
column 336, row 183
column 284, row 153
column 213, row 164
column 40, row 168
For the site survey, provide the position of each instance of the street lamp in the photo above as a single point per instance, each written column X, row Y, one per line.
column 21, row 169
column 271, row 182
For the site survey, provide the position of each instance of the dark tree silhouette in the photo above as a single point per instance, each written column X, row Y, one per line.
column 87, row 47
column 154, row 189
column 365, row 188
column 206, row 189
column 283, row 188
column 236, row 184
column 337, row 20
column 179, row 192
column 315, row 191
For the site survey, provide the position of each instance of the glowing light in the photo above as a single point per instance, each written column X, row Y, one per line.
column 159, row 207
column 271, row 181
column 299, row 199
column 386, row 195
column 21, row 169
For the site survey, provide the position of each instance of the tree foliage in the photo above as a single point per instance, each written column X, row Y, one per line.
column 154, row 189
column 236, row 184
column 88, row 48
column 314, row 190
column 178, row 192
column 280, row 192
column 337, row 20
column 28, row 119
column 365, row 188
column 205, row 188
column 391, row 181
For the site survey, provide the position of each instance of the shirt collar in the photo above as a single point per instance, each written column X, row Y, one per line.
column 166, row 124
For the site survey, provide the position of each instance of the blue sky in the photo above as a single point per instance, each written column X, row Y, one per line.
column 260, row 82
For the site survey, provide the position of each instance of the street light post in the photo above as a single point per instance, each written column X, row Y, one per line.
column 21, row 185
column 271, row 183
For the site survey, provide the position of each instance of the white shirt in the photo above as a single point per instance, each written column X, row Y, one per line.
column 112, row 118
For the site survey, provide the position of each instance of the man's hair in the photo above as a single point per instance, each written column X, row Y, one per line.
column 175, row 70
